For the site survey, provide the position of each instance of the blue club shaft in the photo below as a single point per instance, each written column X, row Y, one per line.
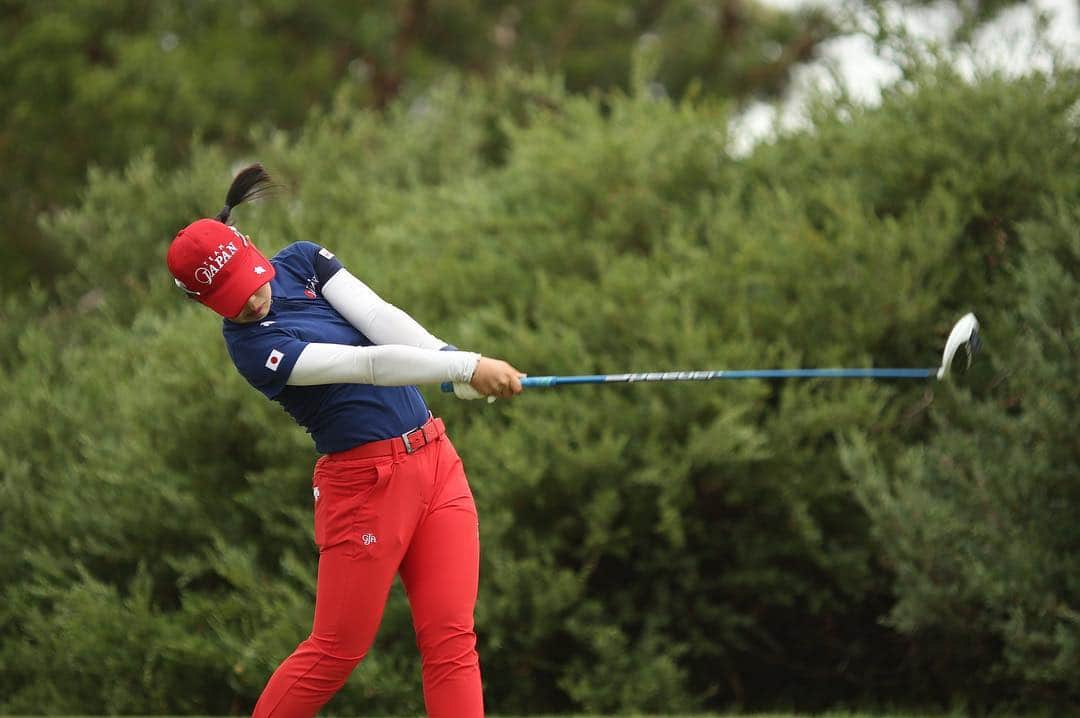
column 546, row 381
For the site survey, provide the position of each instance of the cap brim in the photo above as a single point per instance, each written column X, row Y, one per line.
column 246, row 273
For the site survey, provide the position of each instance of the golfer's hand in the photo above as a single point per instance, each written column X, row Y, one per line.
column 494, row 377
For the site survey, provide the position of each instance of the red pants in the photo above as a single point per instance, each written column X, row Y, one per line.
column 376, row 516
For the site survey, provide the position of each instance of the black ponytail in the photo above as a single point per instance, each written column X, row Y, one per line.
column 252, row 182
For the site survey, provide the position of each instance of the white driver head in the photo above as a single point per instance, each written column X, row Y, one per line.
column 965, row 333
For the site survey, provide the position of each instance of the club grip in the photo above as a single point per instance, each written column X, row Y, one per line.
column 526, row 382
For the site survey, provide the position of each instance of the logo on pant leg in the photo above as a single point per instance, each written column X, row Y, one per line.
column 315, row 493
column 368, row 539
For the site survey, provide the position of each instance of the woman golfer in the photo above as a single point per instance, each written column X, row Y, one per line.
column 390, row 492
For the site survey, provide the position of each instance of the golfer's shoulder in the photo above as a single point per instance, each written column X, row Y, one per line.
column 300, row 252
column 239, row 337
column 306, row 260
column 250, row 345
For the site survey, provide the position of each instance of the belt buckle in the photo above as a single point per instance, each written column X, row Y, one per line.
column 409, row 448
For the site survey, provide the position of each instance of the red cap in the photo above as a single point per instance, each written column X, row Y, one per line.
column 217, row 265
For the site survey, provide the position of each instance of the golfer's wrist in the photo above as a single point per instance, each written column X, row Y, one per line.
column 464, row 371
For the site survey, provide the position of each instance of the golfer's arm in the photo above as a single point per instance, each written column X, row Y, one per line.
column 380, row 321
column 386, row 365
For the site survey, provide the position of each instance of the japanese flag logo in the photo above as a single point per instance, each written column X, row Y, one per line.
column 274, row 360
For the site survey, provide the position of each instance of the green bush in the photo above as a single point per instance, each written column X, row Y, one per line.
column 92, row 84
column 977, row 523
column 645, row 548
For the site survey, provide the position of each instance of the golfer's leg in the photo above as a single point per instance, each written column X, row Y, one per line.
column 351, row 594
column 440, row 572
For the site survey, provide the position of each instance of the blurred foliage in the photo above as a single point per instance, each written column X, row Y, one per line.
column 971, row 13
column 92, row 84
column 646, row 548
column 997, row 484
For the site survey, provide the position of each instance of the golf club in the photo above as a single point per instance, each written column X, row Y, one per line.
column 965, row 333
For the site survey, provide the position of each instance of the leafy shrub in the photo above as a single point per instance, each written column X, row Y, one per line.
column 645, row 548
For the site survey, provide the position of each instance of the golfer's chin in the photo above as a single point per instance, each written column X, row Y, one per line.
column 248, row 314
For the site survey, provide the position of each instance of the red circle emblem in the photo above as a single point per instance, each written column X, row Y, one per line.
column 310, row 294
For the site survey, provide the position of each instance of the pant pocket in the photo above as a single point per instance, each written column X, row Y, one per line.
column 373, row 531
column 341, row 492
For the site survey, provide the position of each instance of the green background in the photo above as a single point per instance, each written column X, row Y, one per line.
column 572, row 206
